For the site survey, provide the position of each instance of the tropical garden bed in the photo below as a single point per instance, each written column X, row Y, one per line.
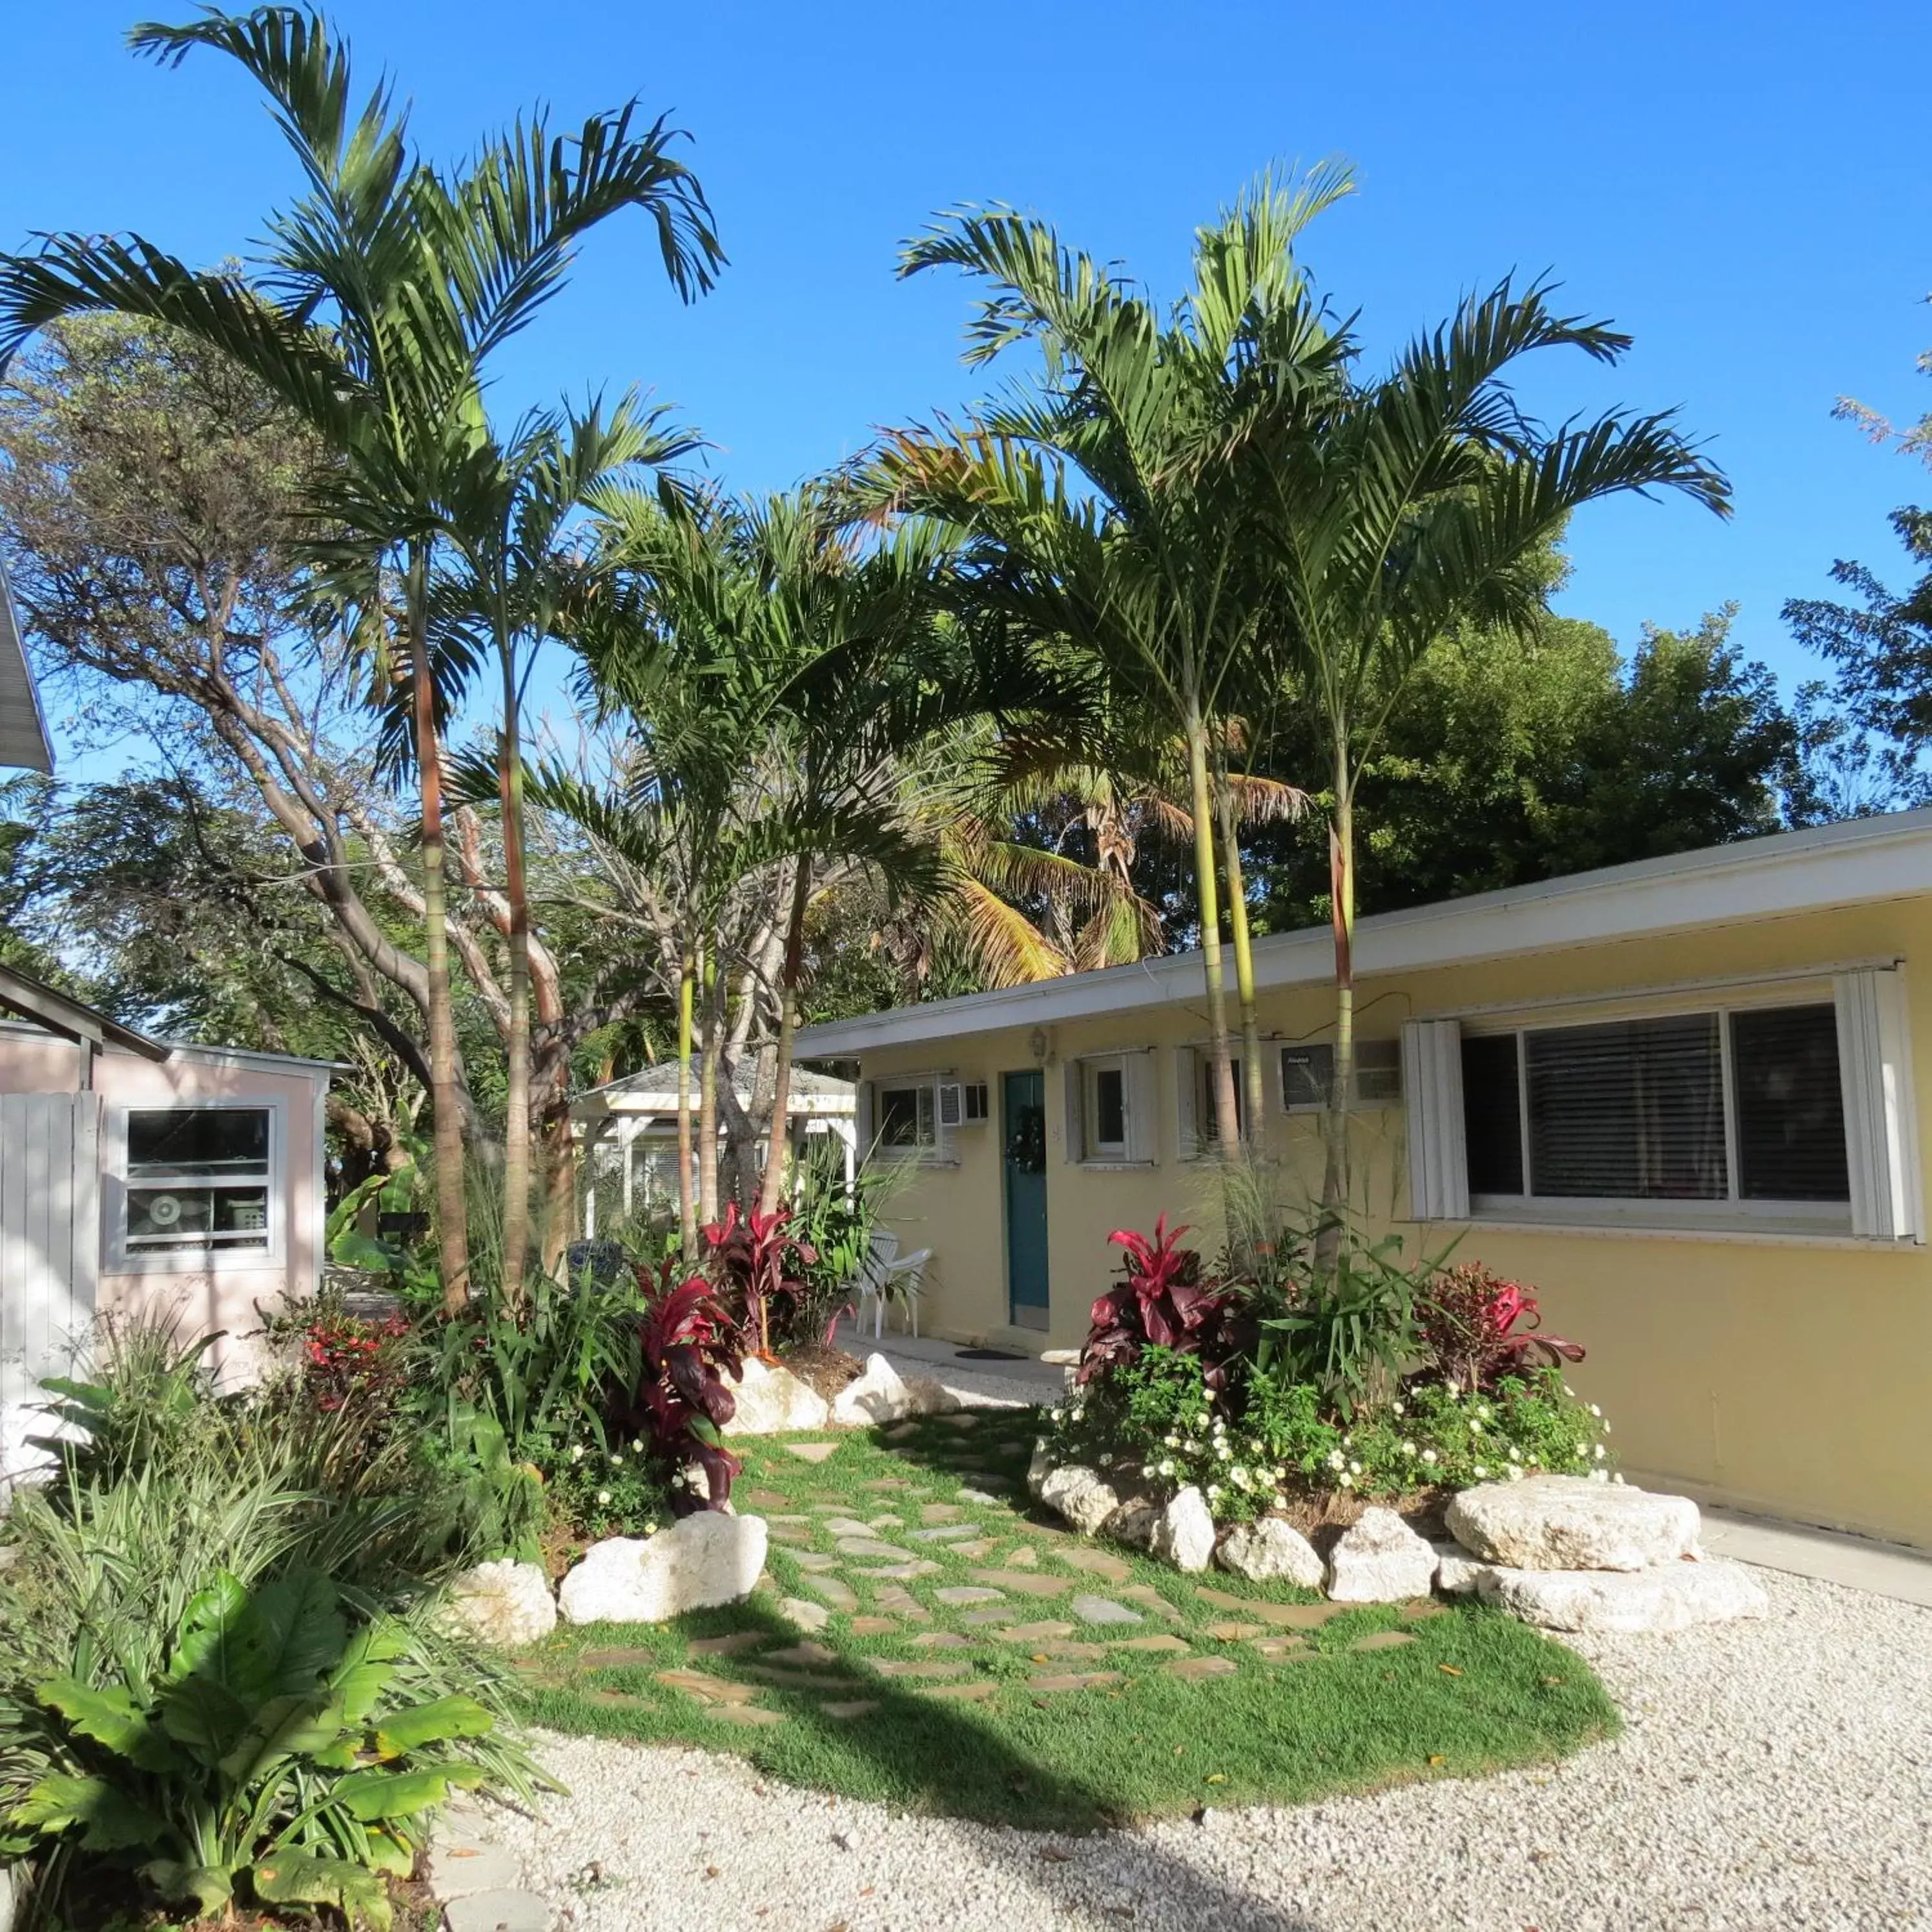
column 1027, row 1677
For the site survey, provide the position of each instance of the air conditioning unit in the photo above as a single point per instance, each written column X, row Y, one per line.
column 962, row 1103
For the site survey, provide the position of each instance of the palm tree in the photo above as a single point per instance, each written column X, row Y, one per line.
column 511, row 575
column 1137, row 565
column 1386, row 512
column 376, row 304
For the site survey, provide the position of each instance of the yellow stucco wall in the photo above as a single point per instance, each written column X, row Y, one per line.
column 1791, row 1375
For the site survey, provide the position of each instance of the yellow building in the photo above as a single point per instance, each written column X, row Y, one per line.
column 1677, row 1098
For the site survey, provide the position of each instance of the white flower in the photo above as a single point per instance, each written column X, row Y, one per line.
column 1596, row 1411
column 603, row 1495
column 1409, row 1448
column 1167, row 1467
column 1569, row 1391
column 1254, row 1447
column 1354, row 1468
column 1606, row 1425
column 1201, row 1420
column 1516, row 1472
column 1429, row 1455
column 1480, row 1472
column 1475, row 1427
column 1336, row 1459
column 1106, row 1462
column 1396, row 1407
column 1222, row 1450
column 1600, row 1475
column 1214, row 1491
column 1348, row 1441
column 1599, row 1452
column 617, row 1457
column 1238, row 1476
column 576, row 1452
column 636, row 1446
column 1535, row 1459
column 650, row 1528
column 1348, row 1480
column 1148, row 1470
column 1516, row 1455
column 1618, row 1477
column 1281, row 1472
column 1207, row 1396
column 1483, row 1410
column 1174, row 1442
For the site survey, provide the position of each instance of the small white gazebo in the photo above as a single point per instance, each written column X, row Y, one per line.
column 627, row 1133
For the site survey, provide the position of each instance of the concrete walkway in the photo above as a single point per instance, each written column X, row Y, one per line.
column 978, row 1383
column 1858, row 1562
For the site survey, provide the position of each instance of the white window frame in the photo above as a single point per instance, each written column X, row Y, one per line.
column 1138, row 1110
column 1361, row 1101
column 121, row 1258
column 1875, row 1073
column 937, row 1152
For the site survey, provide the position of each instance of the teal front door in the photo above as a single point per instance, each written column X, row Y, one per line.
column 1023, row 1123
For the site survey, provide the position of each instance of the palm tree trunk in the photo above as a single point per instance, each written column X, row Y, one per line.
column 1342, row 890
column 707, row 1096
column 1254, row 1119
column 778, row 1138
column 1226, row 1130
column 452, row 1209
column 517, row 1096
column 687, row 1205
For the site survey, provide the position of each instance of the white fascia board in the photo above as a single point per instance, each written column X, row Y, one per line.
column 1859, row 861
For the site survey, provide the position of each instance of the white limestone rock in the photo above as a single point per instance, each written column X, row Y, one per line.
column 1184, row 1532
column 773, row 1400
column 1569, row 1522
column 1667, row 1596
column 1082, row 1496
column 701, row 1560
column 506, row 1603
column 1457, row 1572
column 1379, row 1559
column 881, row 1394
column 1270, row 1550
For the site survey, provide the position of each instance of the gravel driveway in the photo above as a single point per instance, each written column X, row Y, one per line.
column 1774, row 1775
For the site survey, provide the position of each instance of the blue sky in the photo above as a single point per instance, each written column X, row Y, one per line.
column 1743, row 188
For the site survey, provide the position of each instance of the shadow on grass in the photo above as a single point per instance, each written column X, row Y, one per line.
column 924, row 1753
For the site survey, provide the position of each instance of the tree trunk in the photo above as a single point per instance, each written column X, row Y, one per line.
column 687, row 1207
column 1255, row 1121
column 1226, row 1130
column 778, row 1137
column 517, row 1096
column 1342, row 890
column 707, row 1096
column 452, row 1208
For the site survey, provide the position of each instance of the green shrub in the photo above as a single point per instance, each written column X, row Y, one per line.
column 219, row 1676
column 601, row 1487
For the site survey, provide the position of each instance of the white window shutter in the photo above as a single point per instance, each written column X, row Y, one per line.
column 864, row 1102
column 1075, row 1149
column 1432, row 1079
column 1143, row 1115
column 1187, row 1105
column 1881, row 1122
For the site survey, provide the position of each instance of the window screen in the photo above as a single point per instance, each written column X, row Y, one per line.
column 1790, row 1108
column 1491, row 1117
column 1630, row 1110
column 1110, row 1108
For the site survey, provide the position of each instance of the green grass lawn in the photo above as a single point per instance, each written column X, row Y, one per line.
column 1271, row 1698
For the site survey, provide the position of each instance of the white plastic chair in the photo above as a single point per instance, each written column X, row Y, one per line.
column 885, row 1273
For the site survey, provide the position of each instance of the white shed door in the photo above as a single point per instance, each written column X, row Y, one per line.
column 49, row 1251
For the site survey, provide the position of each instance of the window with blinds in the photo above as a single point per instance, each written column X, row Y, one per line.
column 1720, row 1106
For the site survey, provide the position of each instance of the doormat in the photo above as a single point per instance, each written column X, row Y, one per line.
column 987, row 1355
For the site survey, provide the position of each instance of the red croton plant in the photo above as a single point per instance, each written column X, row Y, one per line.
column 1480, row 1327
column 756, row 1258
column 691, row 1344
column 1160, row 1301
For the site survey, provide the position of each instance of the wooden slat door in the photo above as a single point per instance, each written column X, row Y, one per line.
column 49, row 1250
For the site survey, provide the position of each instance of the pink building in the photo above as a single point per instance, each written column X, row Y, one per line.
column 140, row 1177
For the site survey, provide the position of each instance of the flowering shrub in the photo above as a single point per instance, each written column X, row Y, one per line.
column 1155, row 1423
column 1469, row 1319
column 1160, row 1302
column 347, row 1360
column 609, row 1489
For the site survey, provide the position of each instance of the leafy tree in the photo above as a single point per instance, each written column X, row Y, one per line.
column 380, row 297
